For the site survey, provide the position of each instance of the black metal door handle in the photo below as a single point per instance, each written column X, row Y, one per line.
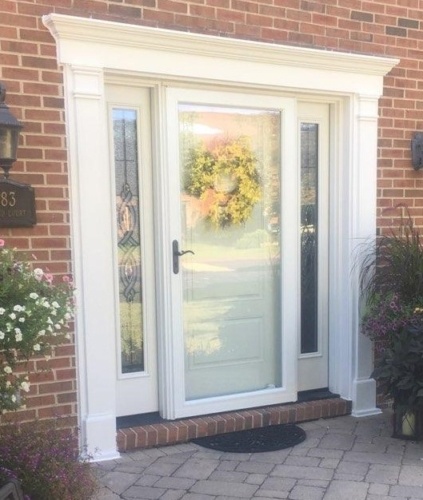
column 176, row 254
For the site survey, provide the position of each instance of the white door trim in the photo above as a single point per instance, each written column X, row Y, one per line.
column 89, row 48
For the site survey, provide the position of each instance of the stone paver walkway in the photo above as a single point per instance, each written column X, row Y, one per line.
column 344, row 458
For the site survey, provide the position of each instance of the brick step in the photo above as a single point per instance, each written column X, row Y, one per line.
column 169, row 432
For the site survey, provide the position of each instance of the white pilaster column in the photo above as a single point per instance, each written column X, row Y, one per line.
column 93, row 258
column 364, row 191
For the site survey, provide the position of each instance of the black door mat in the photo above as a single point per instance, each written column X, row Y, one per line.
column 271, row 438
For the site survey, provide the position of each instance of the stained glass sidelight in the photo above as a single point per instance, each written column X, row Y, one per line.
column 309, row 237
column 128, row 239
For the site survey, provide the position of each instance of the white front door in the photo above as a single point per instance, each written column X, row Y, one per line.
column 134, row 258
column 234, row 271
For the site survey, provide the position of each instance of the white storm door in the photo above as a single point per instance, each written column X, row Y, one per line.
column 233, row 184
column 132, row 205
column 313, row 123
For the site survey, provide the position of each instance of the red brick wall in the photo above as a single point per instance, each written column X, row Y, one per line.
column 35, row 95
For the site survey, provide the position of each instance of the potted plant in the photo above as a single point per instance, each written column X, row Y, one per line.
column 392, row 287
column 400, row 372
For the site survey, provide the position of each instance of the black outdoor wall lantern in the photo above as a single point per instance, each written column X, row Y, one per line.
column 17, row 201
column 417, row 150
column 9, row 134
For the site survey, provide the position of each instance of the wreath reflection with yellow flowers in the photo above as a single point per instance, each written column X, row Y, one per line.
column 226, row 179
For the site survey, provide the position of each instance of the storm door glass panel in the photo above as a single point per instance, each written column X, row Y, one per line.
column 309, row 237
column 230, row 208
column 128, row 240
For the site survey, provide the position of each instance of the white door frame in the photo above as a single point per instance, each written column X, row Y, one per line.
column 90, row 49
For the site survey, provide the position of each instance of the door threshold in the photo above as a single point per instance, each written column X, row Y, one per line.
column 168, row 432
column 139, row 420
column 316, row 394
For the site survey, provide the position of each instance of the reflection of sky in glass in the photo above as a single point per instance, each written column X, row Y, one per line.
column 199, row 129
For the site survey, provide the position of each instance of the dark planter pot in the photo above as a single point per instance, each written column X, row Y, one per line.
column 11, row 491
column 407, row 423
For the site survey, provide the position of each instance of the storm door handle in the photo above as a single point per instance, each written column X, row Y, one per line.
column 176, row 254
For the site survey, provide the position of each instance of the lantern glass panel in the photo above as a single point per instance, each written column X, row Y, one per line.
column 9, row 138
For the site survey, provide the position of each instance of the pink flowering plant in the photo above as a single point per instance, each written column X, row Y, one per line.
column 386, row 315
column 34, row 317
column 46, row 461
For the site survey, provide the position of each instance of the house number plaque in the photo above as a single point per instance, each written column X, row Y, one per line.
column 17, row 204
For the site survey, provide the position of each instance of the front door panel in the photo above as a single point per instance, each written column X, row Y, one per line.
column 229, row 200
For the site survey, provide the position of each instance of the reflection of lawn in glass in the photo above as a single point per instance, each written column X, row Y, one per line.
column 131, row 327
column 204, row 251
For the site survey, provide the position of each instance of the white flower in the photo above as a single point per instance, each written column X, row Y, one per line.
column 38, row 273
column 46, row 304
column 7, row 369
column 21, row 320
column 12, row 316
column 18, row 335
column 57, row 326
column 56, row 305
column 2, row 310
column 33, row 295
column 68, row 316
column 49, row 321
column 41, row 333
column 49, row 328
column 25, row 386
column 1, row 335
column 18, row 308
column 37, row 347
column 13, row 398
